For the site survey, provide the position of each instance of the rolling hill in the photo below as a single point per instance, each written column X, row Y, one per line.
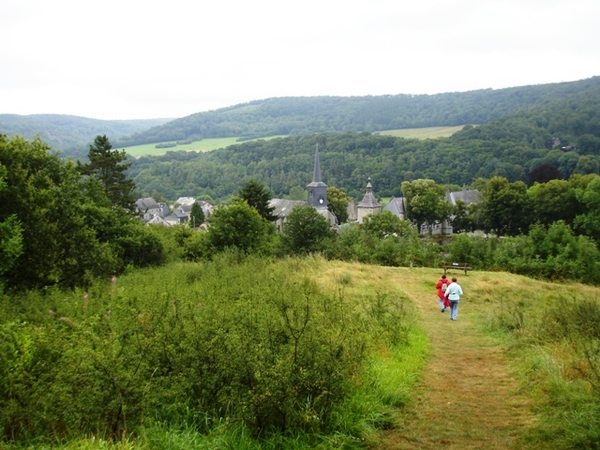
column 306, row 115
column 298, row 116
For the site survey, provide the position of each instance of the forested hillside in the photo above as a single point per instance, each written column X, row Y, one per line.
column 299, row 116
column 71, row 135
column 303, row 115
column 564, row 133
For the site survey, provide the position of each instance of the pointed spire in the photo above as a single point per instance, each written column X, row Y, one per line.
column 317, row 171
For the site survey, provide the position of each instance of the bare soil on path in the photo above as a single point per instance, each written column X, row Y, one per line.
column 467, row 397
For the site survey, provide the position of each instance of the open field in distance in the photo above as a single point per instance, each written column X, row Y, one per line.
column 423, row 133
column 206, row 145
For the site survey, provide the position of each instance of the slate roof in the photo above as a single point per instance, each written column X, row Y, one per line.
column 467, row 196
column 144, row 204
column 157, row 220
column 317, row 180
column 283, row 207
column 397, row 206
column 177, row 216
column 369, row 200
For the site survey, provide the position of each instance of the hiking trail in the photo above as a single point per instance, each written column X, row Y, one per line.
column 467, row 397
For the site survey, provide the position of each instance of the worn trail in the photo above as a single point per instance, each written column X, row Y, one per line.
column 467, row 397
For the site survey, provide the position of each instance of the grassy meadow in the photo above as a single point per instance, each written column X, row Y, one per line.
column 206, row 145
column 300, row 354
column 423, row 133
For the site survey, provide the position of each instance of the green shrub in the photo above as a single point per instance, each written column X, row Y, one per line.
column 236, row 340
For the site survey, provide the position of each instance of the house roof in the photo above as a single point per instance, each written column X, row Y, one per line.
column 144, row 204
column 396, row 206
column 283, row 207
column 467, row 196
column 185, row 200
column 177, row 216
column 157, row 220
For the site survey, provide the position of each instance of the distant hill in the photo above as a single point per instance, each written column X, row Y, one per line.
column 298, row 116
column 71, row 134
column 564, row 133
column 305, row 115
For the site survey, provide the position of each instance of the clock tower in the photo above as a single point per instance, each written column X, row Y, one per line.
column 317, row 190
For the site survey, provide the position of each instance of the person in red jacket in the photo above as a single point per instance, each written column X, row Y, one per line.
column 441, row 286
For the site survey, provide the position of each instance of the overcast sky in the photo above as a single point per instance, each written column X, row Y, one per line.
column 133, row 59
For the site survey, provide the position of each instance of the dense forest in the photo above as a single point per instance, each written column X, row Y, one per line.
column 305, row 115
column 564, row 134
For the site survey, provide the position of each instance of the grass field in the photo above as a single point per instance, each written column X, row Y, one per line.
column 206, row 145
column 423, row 133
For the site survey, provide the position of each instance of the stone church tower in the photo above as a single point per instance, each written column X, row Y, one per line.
column 369, row 204
column 317, row 190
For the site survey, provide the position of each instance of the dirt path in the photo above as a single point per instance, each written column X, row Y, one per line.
column 467, row 398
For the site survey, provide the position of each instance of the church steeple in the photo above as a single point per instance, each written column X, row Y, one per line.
column 317, row 190
column 317, row 169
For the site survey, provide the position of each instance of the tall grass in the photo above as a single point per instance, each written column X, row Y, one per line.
column 554, row 335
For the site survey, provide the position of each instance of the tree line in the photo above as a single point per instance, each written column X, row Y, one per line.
column 66, row 224
column 328, row 114
column 564, row 136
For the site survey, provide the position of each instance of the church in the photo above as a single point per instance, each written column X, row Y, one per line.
column 317, row 198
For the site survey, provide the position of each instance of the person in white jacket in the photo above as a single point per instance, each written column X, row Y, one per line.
column 453, row 293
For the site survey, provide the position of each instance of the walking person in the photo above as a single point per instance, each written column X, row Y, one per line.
column 441, row 287
column 453, row 293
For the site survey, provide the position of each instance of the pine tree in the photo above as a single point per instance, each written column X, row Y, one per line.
column 108, row 167
column 196, row 215
column 258, row 196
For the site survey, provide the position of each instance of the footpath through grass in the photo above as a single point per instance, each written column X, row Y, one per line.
column 468, row 397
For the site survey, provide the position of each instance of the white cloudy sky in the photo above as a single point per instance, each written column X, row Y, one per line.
column 134, row 59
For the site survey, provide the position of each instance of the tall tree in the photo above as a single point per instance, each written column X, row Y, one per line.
column 238, row 225
column 305, row 231
column 543, row 173
column 11, row 238
column 506, row 207
column 589, row 222
column 425, row 201
column 258, row 196
column 337, row 203
column 108, row 167
column 196, row 215
column 554, row 201
column 59, row 241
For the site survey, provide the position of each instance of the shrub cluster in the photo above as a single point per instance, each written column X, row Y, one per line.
column 201, row 343
column 552, row 252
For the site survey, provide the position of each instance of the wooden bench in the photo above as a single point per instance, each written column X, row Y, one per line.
column 456, row 266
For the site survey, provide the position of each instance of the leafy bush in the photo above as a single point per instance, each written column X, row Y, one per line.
column 237, row 340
